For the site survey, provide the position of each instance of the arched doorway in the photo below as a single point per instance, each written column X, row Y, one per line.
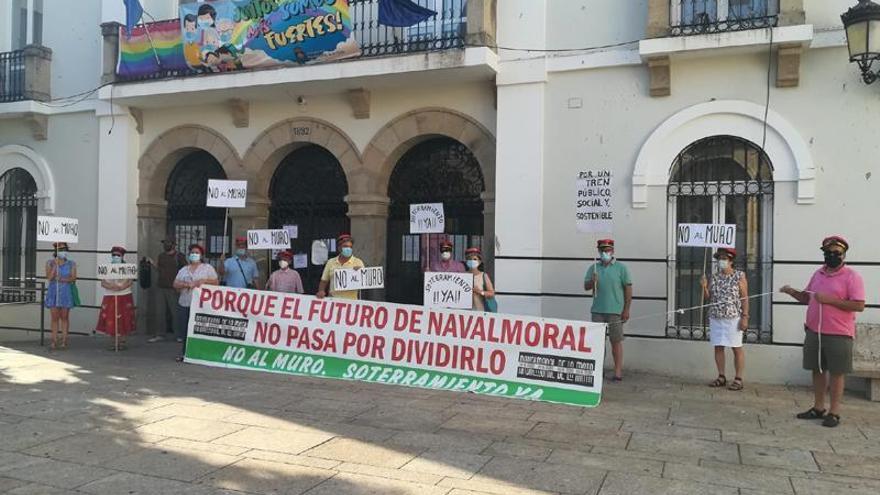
column 721, row 180
column 18, row 233
column 308, row 190
column 189, row 220
column 438, row 170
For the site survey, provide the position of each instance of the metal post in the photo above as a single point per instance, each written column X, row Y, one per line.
column 42, row 314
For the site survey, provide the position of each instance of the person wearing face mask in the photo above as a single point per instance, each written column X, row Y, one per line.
column 483, row 287
column 61, row 274
column 241, row 270
column 833, row 296
column 117, row 307
column 611, row 284
column 168, row 264
column 347, row 260
column 192, row 276
column 728, row 297
column 285, row 278
column 447, row 264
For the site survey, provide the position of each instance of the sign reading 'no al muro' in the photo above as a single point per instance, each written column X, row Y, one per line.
column 487, row 353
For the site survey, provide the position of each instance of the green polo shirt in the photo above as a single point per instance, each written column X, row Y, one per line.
column 613, row 278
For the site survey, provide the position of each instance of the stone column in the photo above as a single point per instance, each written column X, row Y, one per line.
column 152, row 229
column 37, row 73
column 110, row 51
column 791, row 13
column 369, row 227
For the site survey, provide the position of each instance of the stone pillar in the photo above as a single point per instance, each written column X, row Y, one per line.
column 110, row 51
column 369, row 227
column 152, row 229
column 658, row 19
column 254, row 216
column 791, row 13
column 37, row 73
column 481, row 22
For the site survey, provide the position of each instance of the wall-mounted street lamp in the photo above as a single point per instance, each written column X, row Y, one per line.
column 862, row 24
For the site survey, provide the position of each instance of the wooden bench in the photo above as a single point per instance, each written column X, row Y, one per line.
column 866, row 358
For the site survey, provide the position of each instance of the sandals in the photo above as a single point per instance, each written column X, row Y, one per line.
column 813, row 413
column 719, row 382
column 831, row 420
column 736, row 385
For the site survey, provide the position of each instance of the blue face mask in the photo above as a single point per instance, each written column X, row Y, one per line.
column 62, row 255
column 189, row 37
column 346, row 252
column 473, row 264
column 240, row 252
column 195, row 257
column 205, row 23
column 116, row 259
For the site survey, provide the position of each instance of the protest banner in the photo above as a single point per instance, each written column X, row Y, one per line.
column 113, row 271
column 501, row 355
column 426, row 218
column 710, row 235
column 594, row 206
column 57, row 229
column 227, row 193
column 372, row 277
column 268, row 239
column 449, row 290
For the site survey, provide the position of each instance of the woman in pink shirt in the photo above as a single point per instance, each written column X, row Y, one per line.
column 833, row 297
column 285, row 279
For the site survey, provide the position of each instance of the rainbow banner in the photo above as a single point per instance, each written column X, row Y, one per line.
column 138, row 53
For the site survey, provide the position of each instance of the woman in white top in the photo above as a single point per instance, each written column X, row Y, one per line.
column 192, row 276
column 117, row 308
column 483, row 287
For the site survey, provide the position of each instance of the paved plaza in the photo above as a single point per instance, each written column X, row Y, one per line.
column 93, row 422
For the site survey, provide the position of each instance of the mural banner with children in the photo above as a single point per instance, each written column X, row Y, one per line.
column 228, row 35
column 522, row 357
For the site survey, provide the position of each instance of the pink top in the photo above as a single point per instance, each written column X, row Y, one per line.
column 285, row 281
column 451, row 266
column 845, row 284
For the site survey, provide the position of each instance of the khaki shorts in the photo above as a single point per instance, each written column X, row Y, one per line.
column 615, row 325
column 837, row 351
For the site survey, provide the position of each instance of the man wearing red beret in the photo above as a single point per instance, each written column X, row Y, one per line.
column 447, row 264
column 611, row 284
column 285, row 279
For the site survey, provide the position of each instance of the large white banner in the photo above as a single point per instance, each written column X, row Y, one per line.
column 593, row 202
column 706, row 235
column 227, row 193
column 488, row 353
column 57, row 229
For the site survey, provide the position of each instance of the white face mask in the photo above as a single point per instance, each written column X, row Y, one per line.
column 445, row 256
column 283, row 264
column 723, row 264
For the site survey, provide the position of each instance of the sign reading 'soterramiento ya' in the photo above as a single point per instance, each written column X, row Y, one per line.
column 488, row 353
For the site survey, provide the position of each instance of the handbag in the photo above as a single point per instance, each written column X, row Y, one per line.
column 489, row 303
column 74, row 295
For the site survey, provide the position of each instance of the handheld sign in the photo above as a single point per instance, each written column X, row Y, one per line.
column 57, row 229
column 125, row 271
column 227, row 193
column 268, row 239
column 293, row 230
column 594, row 204
column 706, row 235
column 300, row 261
column 426, row 218
column 449, row 290
column 358, row 279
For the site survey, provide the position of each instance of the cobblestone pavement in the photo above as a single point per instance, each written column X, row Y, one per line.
column 90, row 421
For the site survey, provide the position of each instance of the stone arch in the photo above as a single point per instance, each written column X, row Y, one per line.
column 787, row 150
column 17, row 156
column 272, row 145
column 163, row 154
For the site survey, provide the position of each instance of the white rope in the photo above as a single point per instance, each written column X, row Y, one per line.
column 694, row 308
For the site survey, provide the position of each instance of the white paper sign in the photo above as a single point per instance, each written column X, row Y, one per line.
column 426, row 218
column 300, row 261
column 268, row 239
column 706, row 235
column 293, row 230
column 57, row 229
column 372, row 277
column 595, row 211
column 126, row 271
column 227, row 193
column 449, row 290
column 320, row 253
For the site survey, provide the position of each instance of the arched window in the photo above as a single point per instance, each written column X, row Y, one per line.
column 438, row 170
column 18, row 232
column 308, row 190
column 189, row 220
column 721, row 180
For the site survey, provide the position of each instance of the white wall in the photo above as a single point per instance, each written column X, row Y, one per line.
column 74, row 35
column 590, row 23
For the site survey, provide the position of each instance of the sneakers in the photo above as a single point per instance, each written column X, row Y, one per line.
column 155, row 339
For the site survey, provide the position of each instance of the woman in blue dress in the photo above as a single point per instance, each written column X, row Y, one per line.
column 61, row 274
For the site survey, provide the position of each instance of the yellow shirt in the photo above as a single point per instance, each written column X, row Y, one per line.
column 332, row 265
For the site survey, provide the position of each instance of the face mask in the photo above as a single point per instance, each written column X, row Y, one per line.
column 62, row 255
column 473, row 264
column 205, row 23
column 723, row 264
column 225, row 38
column 832, row 259
column 195, row 257
column 445, row 256
column 346, row 252
column 283, row 264
column 116, row 259
column 189, row 37
column 605, row 256
column 240, row 252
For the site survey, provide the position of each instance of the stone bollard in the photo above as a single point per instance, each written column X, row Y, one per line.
column 866, row 357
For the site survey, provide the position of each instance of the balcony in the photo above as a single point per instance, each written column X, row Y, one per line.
column 25, row 74
column 689, row 17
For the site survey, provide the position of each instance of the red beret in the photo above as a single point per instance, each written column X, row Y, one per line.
column 60, row 246
column 446, row 245
column 197, row 246
column 117, row 250
column 285, row 255
column 835, row 240
column 344, row 238
column 240, row 240
column 725, row 252
column 474, row 251
column 601, row 243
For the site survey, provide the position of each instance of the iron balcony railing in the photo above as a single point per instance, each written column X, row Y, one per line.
column 12, row 87
column 689, row 17
column 446, row 30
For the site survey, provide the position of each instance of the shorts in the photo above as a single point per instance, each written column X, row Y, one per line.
column 725, row 332
column 837, row 352
column 615, row 325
